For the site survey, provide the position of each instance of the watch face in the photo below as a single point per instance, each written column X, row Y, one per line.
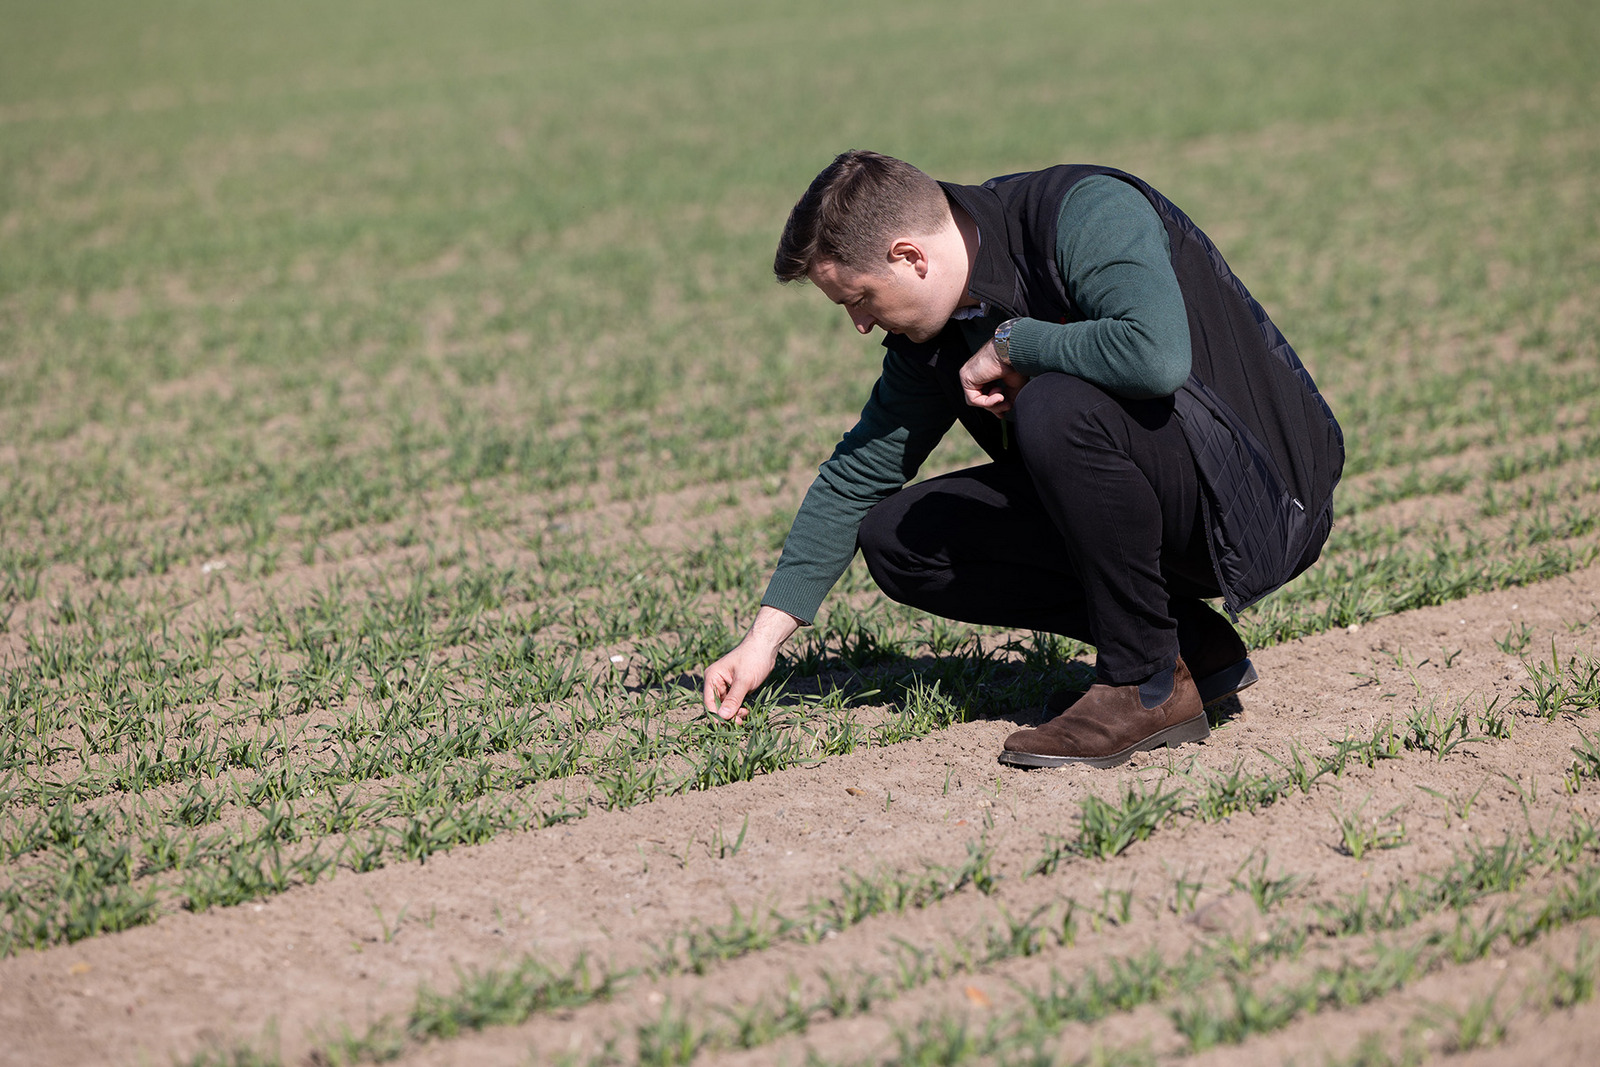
column 1002, row 341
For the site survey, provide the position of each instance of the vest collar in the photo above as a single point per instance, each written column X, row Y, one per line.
column 994, row 277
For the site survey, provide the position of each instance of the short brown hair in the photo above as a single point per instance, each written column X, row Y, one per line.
column 855, row 207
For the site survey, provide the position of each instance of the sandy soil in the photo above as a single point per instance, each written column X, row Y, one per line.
column 334, row 957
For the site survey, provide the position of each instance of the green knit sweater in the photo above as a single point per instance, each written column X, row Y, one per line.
column 1112, row 249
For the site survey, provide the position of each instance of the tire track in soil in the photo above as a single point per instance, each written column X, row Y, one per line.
column 315, row 958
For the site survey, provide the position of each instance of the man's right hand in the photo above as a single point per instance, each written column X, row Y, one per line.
column 989, row 383
column 730, row 679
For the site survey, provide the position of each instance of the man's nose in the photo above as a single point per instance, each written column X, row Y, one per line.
column 864, row 322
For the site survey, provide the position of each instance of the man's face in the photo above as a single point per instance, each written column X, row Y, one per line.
column 901, row 299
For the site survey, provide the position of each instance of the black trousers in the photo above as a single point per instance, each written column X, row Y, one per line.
column 1093, row 535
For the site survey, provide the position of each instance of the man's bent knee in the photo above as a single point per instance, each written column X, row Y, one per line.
column 890, row 562
column 905, row 544
column 877, row 537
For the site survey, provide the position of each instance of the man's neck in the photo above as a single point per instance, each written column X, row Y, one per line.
column 971, row 239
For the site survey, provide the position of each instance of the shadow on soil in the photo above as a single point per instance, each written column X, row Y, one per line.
column 987, row 689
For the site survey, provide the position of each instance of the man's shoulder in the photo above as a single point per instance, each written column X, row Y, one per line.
column 1062, row 175
column 1105, row 192
column 1068, row 193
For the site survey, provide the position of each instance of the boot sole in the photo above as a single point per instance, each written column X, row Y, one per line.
column 1195, row 729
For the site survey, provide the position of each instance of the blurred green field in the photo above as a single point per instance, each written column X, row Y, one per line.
column 372, row 373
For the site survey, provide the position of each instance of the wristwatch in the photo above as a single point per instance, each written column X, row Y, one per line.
column 1002, row 341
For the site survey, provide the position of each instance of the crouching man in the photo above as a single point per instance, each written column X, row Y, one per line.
column 1154, row 441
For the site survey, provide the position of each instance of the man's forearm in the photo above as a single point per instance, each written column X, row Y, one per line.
column 771, row 628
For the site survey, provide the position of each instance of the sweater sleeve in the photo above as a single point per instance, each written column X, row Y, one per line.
column 902, row 421
column 1112, row 250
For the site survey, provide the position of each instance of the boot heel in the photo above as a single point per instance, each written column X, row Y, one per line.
column 1195, row 729
column 1226, row 682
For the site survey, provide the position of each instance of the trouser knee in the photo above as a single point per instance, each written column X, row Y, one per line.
column 887, row 558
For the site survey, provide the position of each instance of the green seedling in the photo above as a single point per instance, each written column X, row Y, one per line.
column 1107, row 828
column 1236, row 791
column 389, row 931
column 1359, row 835
column 851, row 996
column 670, row 1040
column 1185, row 894
column 1267, row 892
column 1019, row 938
column 1475, row 1026
column 758, row 1024
column 1298, row 773
column 722, row 847
column 1116, row 905
column 1458, row 805
column 499, row 997
column 1428, row 730
column 1567, row 986
column 1516, row 640
column 1494, row 722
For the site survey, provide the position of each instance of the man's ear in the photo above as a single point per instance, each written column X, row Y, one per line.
column 911, row 253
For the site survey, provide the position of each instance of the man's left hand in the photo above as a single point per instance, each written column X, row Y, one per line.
column 990, row 384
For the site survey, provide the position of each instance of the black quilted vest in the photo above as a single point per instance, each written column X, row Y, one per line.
column 1267, row 447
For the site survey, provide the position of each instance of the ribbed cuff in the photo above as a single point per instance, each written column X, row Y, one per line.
column 798, row 598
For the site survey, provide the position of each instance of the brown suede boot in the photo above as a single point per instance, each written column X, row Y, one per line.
column 1109, row 724
column 1211, row 647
